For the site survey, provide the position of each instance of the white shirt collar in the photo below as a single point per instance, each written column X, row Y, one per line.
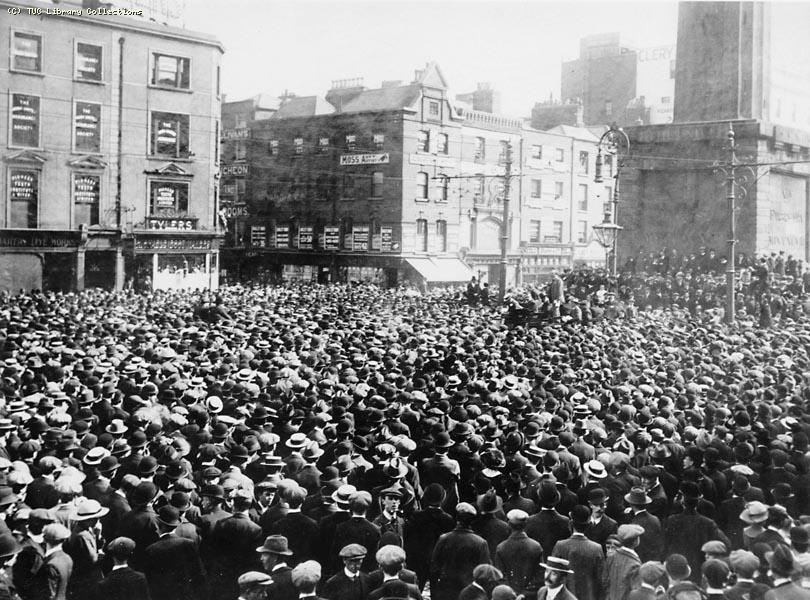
column 349, row 574
column 551, row 593
column 116, row 567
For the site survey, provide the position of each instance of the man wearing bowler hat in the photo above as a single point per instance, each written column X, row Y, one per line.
column 651, row 544
column 274, row 554
column 586, row 557
column 548, row 526
column 350, row 583
column 557, row 572
column 141, row 525
column 423, row 529
column 172, row 564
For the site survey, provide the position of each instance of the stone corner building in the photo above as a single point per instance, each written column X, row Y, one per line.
column 109, row 129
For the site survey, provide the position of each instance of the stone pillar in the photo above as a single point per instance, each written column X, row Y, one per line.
column 78, row 283
column 120, row 275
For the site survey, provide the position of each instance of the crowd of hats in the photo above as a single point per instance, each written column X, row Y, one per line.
column 93, row 379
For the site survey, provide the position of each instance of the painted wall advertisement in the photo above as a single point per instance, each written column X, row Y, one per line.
column 283, row 236
column 360, row 238
column 386, row 238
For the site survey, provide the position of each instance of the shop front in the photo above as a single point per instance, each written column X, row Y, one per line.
column 44, row 259
column 171, row 253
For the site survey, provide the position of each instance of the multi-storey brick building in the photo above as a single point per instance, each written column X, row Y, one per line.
column 397, row 183
column 110, row 127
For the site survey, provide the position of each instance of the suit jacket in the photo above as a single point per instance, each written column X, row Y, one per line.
column 643, row 593
column 26, row 566
column 563, row 594
column 123, row 584
column 547, row 527
column 651, row 542
column 620, row 574
column 282, row 587
column 686, row 533
column 52, row 578
column 444, row 471
column 587, row 561
column 208, row 520
column 396, row 588
column 787, row 591
column 728, row 518
column 473, row 592
column 492, row 529
column 174, row 570
column 111, row 522
column 340, row 587
column 455, row 556
column 422, row 531
column 141, row 526
column 357, row 530
column 739, row 591
column 601, row 531
column 301, row 533
column 326, row 531
column 233, row 544
column 375, row 578
column 518, row 557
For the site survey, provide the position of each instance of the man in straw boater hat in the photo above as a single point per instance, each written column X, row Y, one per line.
column 557, row 572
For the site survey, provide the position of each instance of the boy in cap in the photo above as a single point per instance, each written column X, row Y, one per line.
column 519, row 556
column 715, row 578
column 651, row 575
column 123, row 582
column 620, row 574
column 350, row 583
column 305, row 578
column 389, row 519
column 253, row 585
column 557, row 571
column 393, row 581
column 782, row 566
column 485, row 578
column 53, row 576
column 745, row 565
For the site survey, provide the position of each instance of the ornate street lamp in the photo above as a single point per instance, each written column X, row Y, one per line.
column 614, row 142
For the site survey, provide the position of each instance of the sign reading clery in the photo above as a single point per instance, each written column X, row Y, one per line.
column 364, row 159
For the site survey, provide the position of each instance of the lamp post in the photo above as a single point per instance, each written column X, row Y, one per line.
column 614, row 142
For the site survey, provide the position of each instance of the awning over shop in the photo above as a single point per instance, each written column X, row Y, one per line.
column 441, row 270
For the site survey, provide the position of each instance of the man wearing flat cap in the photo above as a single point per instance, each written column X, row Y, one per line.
column 519, row 556
column 253, row 585
column 485, row 578
column 557, row 571
column 393, row 582
column 350, row 583
column 620, row 574
column 651, row 575
column 123, row 582
column 32, row 554
column 305, row 578
column 782, row 566
column 745, row 566
column 455, row 556
column 389, row 519
column 52, row 579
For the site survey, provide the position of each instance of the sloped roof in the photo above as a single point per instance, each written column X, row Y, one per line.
column 383, row 99
column 579, row 133
column 305, row 106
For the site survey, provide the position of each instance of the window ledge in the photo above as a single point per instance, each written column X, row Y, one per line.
column 168, row 158
column 169, row 88
column 423, row 200
column 90, row 81
column 25, row 72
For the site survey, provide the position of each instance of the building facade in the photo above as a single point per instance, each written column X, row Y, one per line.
column 616, row 82
column 110, row 129
column 397, row 184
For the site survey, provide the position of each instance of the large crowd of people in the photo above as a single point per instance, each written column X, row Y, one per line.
column 351, row 443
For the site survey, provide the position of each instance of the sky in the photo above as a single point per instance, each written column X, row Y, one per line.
column 518, row 46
